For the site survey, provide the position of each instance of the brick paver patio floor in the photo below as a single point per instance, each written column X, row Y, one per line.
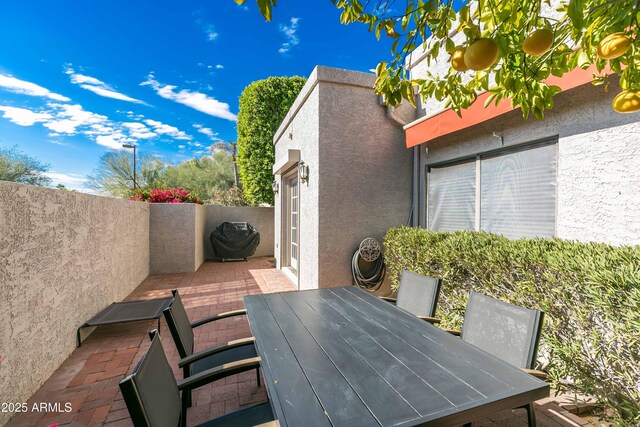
column 89, row 378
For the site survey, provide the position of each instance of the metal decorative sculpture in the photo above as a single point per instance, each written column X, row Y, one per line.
column 370, row 249
column 370, row 253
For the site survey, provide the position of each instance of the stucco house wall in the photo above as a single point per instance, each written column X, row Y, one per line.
column 359, row 173
column 598, row 169
column 64, row 256
column 365, row 173
column 300, row 131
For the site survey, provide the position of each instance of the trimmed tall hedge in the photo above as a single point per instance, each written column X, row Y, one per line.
column 589, row 292
column 263, row 106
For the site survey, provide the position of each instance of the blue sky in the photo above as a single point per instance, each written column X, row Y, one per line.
column 80, row 78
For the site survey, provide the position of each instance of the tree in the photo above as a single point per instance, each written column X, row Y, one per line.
column 263, row 106
column 230, row 197
column 579, row 34
column 231, row 148
column 114, row 173
column 203, row 176
column 17, row 166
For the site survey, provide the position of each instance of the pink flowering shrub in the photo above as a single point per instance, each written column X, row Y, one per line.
column 171, row 195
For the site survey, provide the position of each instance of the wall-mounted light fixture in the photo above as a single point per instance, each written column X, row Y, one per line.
column 275, row 186
column 303, row 172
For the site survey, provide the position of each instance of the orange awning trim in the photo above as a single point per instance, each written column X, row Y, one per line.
column 448, row 121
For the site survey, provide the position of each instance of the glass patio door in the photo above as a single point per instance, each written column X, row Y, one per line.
column 294, row 208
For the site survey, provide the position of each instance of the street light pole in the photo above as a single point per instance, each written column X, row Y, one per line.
column 134, row 163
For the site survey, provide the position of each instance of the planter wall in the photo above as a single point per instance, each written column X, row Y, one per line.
column 179, row 233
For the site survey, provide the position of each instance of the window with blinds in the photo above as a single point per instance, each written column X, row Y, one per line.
column 516, row 193
column 452, row 197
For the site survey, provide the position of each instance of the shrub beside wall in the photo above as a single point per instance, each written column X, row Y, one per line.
column 590, row 294
column 263, row 106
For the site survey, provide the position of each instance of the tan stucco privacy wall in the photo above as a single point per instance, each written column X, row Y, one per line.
column 64, row 256
column 179, row 233
column 174, row 237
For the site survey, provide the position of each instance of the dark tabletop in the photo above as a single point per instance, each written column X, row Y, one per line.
column 342, row 357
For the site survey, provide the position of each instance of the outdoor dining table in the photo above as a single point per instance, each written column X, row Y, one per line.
column 342, row 357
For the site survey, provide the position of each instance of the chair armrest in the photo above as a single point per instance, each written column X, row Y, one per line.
column 218, row 316
column 431, row 320
column 453, row 332
column 388, row 299
column 219, row 372
column 538, row 374
column 185, row 361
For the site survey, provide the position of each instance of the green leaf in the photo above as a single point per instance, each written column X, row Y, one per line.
column 584, row 61
column 576, row 13
column 450, row 45
column 265, row 8
column 490, row 99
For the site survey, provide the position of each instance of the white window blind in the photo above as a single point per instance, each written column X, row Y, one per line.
column 451, row 197
column 518, row 193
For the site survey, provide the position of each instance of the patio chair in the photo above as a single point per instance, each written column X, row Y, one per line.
column 507, row 331
column 418, row 295
column 152, row 394
column 193, row 363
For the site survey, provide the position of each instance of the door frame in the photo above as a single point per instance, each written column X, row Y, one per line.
column 292, row 273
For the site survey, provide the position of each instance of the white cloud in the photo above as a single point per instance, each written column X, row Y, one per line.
column 204, row 130
column 67, row 118
column 219, row 66
column 196, row 100
column 108, row 93
column 98, row 87
column 23, row 116
column 23, row 87
column 208, row 29
column 78, row 79
column 211, row 33
column 139, row 131
column 164, row 129
column 213, row 136
column 290, row 33
column 109, row 141
column 70, row 180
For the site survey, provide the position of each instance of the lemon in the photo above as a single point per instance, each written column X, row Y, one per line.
column 613, row 46
column 457, row 59
column 481, row 54
column 627, row 101
column 538, row 42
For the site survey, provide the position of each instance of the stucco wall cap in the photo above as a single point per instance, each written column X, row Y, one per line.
column 321, row 74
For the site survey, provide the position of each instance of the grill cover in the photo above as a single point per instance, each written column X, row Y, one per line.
column 234, row 240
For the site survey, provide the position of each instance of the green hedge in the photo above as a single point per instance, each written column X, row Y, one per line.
column 589, row 292
column 263, row 106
